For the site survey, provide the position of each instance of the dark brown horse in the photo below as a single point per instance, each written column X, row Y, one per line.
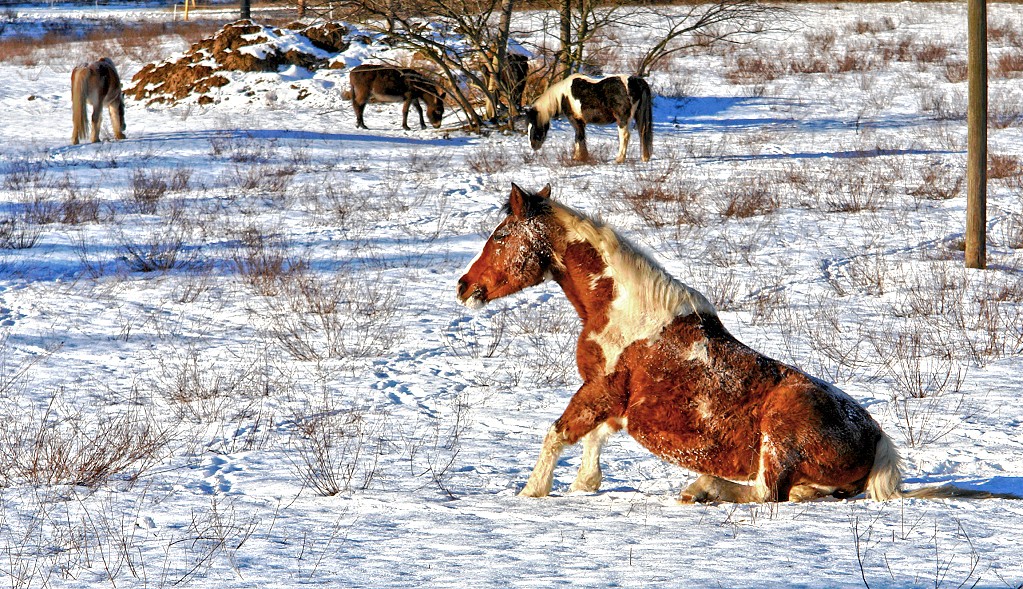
column 655, row 359
column 98, row 84
column 385, row 83
column 513, row 76
column 614, row 99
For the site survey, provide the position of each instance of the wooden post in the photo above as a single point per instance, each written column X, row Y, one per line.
column 246, row 9
column 976, row 144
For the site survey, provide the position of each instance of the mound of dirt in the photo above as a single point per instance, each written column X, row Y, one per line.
column 242, row 46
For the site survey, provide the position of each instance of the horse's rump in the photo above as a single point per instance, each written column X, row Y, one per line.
column 97, row 84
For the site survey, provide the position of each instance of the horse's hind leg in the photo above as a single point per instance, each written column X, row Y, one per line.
column 580, row 153
column 113, row 109
column 404, row 114
column 709, row 488
column 97, row 118
column 359, row 106
column 773, row 483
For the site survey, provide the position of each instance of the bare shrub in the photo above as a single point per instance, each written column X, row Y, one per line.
column 488, row 159
column 939, row 183
column 955, row 71
column 753, row 69
column 16, row 234
column 870, row 273
column 1008, row 65
column 1010, row 231
column 881, row 25
column 262, row 261
column 147, row 189
column 63, row 445
column 478, row 336
column 941, row 106
column 1005, row 109
column 927, row 382
column 550, row 328
column 336, row 449
column 752, row 197
column 931, row 52
column 273, row 180
column 1000, row 167
column 665, row 199
column 820, row 42
column 159, row 246
column 339, row 316
column 432, row 449
column 23, row 173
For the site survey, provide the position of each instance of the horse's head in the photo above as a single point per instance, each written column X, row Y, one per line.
column 435, row 106
column 537, row 131
column 518, row 254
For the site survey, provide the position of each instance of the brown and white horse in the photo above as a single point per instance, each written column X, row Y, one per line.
column 96, row 84
column 655, row 359
column 386, row 83
column 614, row 99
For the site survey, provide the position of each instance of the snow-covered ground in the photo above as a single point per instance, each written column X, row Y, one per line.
column 299, row 332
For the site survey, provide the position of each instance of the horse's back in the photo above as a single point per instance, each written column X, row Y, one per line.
column 380, row 80
column 701, row 399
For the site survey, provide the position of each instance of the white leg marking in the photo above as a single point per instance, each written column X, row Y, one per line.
column 623, row 143
column 589, row 477
column 539, row 483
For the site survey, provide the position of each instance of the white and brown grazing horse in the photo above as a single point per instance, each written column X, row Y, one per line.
column 614, row 99
column 655, row 359
column 385, row 83
column 96, row 84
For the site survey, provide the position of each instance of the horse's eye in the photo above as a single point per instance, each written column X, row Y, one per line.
column 500, row 235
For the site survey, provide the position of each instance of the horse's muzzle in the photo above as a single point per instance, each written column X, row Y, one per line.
column 474, row 298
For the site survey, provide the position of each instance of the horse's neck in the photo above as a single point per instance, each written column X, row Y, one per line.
column 620, row 295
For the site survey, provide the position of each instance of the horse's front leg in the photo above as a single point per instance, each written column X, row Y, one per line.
column 623, row 141
column 589, row 477
column 584, row 419
column 580, row 153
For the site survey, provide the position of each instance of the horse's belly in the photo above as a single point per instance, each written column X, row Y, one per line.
column 378, row 97
column 598, row 117
column 686, row 438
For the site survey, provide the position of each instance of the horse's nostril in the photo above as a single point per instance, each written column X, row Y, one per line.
column 462, row 286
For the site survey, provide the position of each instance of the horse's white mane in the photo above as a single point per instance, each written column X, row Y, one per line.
column 646, row 299
column 548, row 105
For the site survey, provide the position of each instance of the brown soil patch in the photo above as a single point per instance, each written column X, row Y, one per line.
column 195, row 73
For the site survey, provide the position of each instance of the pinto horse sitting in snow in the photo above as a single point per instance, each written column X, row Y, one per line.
column 615, row 99
column 385, row 83
column 98, row 84
column 655, row 359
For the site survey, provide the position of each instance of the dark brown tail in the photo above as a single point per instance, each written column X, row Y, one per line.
column 645, row 120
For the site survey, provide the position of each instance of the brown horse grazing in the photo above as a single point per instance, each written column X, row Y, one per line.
column 655, row 358
column 392, row 84
column 98, row 84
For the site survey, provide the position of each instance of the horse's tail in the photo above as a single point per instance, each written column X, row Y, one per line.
column 80, row 122
column 885, row 480
column 645, row 120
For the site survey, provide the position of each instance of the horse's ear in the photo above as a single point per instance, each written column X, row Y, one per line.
column 545, row 192
column 518, row 202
